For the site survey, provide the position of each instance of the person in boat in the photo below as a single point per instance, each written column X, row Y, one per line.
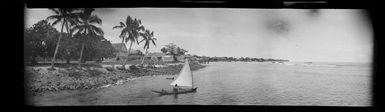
column 176, row 88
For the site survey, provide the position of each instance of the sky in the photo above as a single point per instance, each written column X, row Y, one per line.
column 325, row 35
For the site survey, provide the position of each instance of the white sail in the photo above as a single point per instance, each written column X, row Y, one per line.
column 185, row 76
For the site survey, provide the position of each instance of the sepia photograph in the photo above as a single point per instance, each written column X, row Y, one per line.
column 198, row 56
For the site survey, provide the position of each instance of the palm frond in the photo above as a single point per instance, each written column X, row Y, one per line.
column 87, row 12
column 55, row 10
column 122, row 34
column 122, row 24
column 95, row 19
column 56, row 22
column 153, row 41
column 128, row 21
column 142, row 40
column 53, row 17
column 73, row 30
column 77, row 29
column 141, row 28
column 66, row 26
column 97, row 30
column 117, row 27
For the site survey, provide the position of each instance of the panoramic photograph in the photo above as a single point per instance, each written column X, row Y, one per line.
column 197, row 56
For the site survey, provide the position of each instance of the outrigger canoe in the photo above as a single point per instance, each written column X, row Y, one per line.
column 184, row 79
column 180, row 91
column 170, row 78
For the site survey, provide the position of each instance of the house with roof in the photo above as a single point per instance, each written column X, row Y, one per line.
column 120, row 47
column 182, row 57
column 158, row 56
column 122, row 54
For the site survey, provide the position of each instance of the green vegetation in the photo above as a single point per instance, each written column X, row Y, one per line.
column 85, row 28
column 81, row 40
column 147, row 38
column 241, row 59
column 174, row 50
column 130, row 31
column 65, row 16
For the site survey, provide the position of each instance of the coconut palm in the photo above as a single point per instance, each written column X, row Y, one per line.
column 130, row 32
column 147, row 38
column 87, row 28
column 65, row 16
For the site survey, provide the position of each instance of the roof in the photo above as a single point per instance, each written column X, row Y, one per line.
column 118, row 46
column 133, row 51
column 157, row 54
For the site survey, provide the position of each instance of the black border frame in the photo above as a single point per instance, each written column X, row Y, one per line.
column 18, row 11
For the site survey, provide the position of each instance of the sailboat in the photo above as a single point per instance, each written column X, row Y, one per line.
column 184, row 79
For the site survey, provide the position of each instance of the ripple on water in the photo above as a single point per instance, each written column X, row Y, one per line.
column 246, row 84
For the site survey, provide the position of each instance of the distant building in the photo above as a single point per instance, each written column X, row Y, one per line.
column 158, row 56
column 122, row 54
column 182, row 57
column 120, row 47
column 168, row 58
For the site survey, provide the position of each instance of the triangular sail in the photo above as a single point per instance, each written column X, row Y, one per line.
column 185, row 76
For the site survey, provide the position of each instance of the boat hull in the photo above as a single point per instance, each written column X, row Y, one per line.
column 173, row 92
column 172, row 78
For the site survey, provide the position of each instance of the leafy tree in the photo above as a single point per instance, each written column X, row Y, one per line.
column 69, row 49
column 98, row 49
column 104, row 49
column 65, row 16
column 87, row 29
column 148, row 37
column 172, row 49
column 36, row 40
column 130, row 31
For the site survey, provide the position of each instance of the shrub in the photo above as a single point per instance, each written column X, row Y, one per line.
column 109, row 69
column 120, row 68
column 94, row 73
column 134, row 68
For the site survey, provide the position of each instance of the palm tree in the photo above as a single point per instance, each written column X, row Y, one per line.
column 87, row 28
column 65, row 16
column 147, row 38
column 130, row 32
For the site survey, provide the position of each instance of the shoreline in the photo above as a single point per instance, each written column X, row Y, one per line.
column 40, row 81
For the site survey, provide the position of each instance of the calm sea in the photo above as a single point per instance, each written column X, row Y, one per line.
column 241, row 83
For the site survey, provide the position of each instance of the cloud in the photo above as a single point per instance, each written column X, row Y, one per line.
column 278, row 26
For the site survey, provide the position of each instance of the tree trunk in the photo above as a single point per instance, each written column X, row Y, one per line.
column 81, row 54
column 129, row 51
column 33, row 61
column 144, row 57
column 57, row 46
column 175, row 59
column 68, row 60
column 113, row 64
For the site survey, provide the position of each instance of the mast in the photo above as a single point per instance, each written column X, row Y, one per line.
column 192, row 76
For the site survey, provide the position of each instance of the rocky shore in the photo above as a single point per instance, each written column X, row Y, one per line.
column 39, row 80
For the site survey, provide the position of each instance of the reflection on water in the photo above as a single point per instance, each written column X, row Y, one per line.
column 241, row 84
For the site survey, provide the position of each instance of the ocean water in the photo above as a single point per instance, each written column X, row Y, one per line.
column 241, row 83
